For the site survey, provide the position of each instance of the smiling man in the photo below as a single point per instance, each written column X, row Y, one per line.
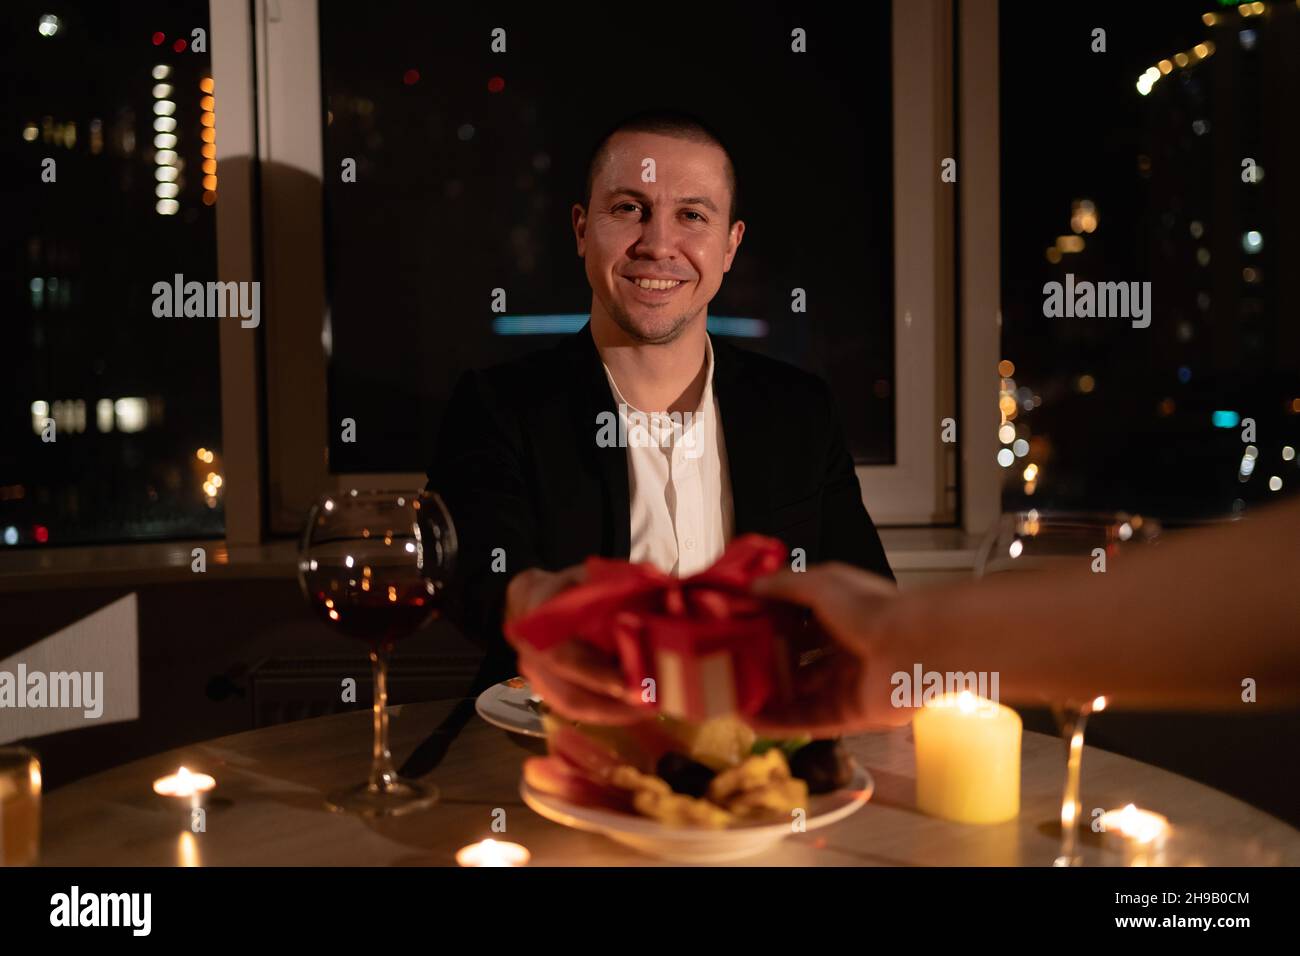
column 640, row 436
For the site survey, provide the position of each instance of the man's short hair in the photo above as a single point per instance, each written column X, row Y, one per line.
column 672, row 123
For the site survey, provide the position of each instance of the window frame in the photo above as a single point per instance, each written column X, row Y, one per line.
column 266, row 65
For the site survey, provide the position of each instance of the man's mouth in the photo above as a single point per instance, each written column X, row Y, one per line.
column 654, row 285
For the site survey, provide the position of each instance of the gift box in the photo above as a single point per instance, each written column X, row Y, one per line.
column 710, row 647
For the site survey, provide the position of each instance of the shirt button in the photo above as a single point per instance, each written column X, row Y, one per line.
column 690, row 544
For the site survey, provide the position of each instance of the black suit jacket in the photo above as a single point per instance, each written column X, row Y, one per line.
column 519, row 468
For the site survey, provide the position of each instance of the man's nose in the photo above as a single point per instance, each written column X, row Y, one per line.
column 655, row 241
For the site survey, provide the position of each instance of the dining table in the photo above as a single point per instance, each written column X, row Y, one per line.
column 268, row 806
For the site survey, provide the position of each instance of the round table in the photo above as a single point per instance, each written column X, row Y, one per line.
column 268, row 809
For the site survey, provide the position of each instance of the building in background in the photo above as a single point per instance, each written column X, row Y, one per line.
column 117, row 98
column 1166, row 159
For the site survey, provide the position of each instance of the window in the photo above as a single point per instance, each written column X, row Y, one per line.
column 468, row 161
column 111, row 428
column 1164, row 163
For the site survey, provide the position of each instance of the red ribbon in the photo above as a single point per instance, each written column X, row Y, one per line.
column 632, row 611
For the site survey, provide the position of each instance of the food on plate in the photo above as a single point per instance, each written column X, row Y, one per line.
column 555, row 776
column 713, row 774
column 823, row 764
column 685, row 775
column 654, row 798
column 719, row 742
column 763, row 744
column 760, row 786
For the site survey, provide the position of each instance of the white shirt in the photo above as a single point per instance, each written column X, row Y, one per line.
column 679, row 487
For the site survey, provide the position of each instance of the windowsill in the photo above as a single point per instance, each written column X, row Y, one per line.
column 929, row 549
column 909, row 550
column 135, row 564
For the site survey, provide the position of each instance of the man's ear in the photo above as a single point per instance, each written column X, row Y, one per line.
column 733, row 243
column 580, row 228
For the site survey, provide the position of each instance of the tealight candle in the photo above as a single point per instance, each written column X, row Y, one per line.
column 185, row 786
column 493, row 853
column 967, row 759
column 20, row 807
column 1142, row 831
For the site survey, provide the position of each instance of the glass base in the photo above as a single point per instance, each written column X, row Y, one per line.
column 398, row 797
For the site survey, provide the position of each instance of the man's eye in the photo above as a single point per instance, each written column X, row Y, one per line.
column 624, row 206
column 698, row 217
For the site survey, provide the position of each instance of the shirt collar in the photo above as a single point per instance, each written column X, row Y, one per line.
column 706, row 399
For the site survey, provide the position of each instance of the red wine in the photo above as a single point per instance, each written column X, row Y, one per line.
column 380, row 609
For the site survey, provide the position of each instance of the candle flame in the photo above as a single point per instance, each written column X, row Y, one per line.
column 966, row 703
column 1142, row 826
column 183, row 783
column 491, row 853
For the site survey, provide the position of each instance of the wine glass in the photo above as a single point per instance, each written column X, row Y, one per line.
column 375, row 565
column 1034, row 540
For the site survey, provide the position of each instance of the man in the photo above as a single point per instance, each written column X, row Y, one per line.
column 640, row 437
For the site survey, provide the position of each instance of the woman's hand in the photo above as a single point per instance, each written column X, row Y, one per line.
column 848, row 690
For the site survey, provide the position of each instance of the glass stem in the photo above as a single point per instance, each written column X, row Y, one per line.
column 382, row 773
column 1073, row 720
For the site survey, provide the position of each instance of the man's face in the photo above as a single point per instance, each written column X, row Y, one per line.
column 672, row 229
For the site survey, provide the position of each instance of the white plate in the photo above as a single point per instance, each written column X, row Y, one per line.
column 507, row 707
column 696, row 844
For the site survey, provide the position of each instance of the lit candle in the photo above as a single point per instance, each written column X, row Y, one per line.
column 493, row 853
column 187, row 787
column 967, row 759
column 20, row 807
column 1142, row 831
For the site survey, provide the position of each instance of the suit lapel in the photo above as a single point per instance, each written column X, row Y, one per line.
column 592, row 398
column 743, row 429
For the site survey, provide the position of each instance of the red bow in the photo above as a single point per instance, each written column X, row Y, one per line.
column 666, row 628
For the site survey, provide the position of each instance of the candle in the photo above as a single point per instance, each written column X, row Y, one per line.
column 1142, row 831
column 967, row 759
column 493, row 853
column 187, row 787
column 20, row 807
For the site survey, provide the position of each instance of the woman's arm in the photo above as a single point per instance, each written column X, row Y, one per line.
column 1181, row 625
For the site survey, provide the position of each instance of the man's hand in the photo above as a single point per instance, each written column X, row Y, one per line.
column 847, row 691
column 530, row 589
column 573, row 678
